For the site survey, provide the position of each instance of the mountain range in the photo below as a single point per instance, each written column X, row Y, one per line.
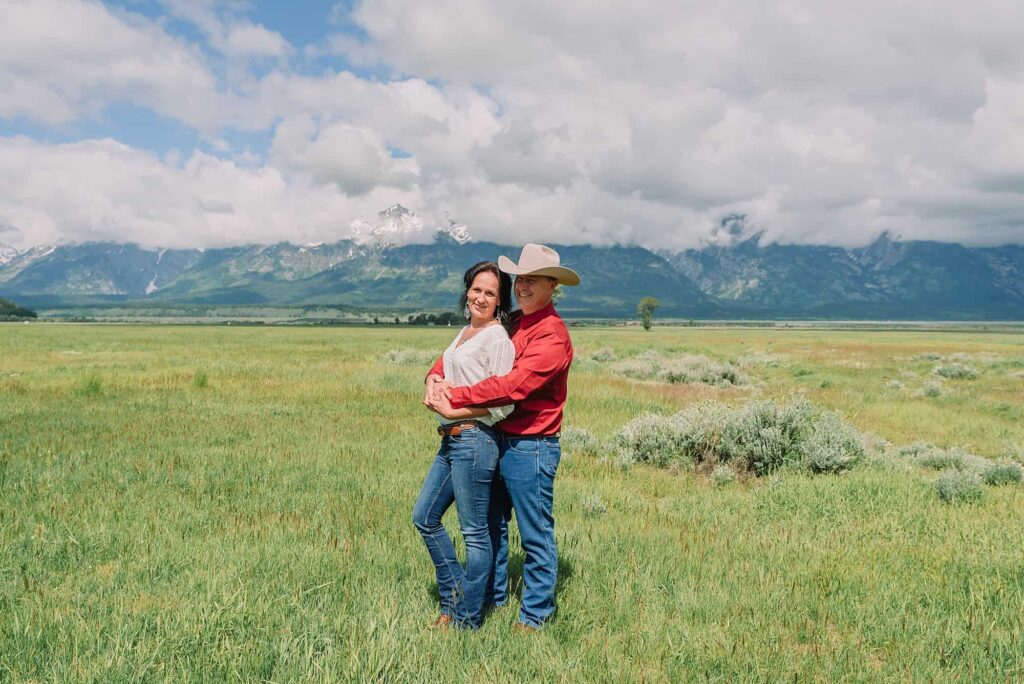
column 376, row 269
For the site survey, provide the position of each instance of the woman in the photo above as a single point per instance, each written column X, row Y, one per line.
column 466, row 463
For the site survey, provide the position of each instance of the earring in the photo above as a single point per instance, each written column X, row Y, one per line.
column 465, row 311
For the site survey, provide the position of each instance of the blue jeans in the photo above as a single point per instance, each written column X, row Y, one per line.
column 527, row 485
column 462, row 472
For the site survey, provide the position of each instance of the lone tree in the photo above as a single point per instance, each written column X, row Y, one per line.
column 9, row 311
column 645, row 310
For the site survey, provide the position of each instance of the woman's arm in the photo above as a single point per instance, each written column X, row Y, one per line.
column 467, row 413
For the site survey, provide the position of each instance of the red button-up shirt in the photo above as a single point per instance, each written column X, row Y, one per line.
column 538, row 380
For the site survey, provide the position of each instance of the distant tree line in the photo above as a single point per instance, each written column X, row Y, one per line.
column 9, row 311
column 446, row 318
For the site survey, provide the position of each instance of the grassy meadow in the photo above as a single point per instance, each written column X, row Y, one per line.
column 190, row 504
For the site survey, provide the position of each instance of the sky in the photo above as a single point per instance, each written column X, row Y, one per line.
column 194, row 123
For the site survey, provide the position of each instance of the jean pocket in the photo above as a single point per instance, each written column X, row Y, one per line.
column 529, row 447
column 548, row 462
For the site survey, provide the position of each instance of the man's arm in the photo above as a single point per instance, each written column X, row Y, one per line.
column 437, row 369
column 545, row 355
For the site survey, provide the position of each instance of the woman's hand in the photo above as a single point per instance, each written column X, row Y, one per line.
column 436, row 390
column 431, row 387
column 443, row 408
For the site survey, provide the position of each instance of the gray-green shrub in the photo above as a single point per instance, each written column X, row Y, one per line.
column 764, row 436
column 650, row 438
column 942, row 459
column 956, row 371
column 1002, row 473
column 759, row 437
column 579, row 441
column 722, row 475
column 679, row 369
column 959, row 487
column 831, row 446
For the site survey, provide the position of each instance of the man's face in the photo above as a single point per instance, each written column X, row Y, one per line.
column 534, row 292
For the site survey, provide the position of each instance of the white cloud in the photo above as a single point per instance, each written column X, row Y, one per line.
column 62, row 60
column 354, row 159
column 104, row 190
column 827, row 122
column 576, row 121
column 226, row 32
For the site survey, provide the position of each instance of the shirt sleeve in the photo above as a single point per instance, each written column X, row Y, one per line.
column 544, row 356
column 437, row 368
column 501, row 363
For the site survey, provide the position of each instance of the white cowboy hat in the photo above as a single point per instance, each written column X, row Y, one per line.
column 539, row 260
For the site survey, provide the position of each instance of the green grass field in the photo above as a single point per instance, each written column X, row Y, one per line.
column 208, row 503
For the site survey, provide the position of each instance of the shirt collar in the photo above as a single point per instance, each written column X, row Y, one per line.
column 526, row 320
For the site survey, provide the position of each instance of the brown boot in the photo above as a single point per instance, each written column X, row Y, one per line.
column 523, row 628
column 442, row 622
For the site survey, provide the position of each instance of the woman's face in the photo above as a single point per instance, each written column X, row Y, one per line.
column 482, row 297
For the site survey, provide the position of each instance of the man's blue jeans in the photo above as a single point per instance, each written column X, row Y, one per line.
column 527, row 485
column 463, row 472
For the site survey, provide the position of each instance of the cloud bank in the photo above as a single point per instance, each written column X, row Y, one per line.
column 577, row 122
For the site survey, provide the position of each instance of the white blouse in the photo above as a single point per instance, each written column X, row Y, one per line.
column 489, row 352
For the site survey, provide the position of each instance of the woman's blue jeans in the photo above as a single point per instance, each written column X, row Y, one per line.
column 462, row 472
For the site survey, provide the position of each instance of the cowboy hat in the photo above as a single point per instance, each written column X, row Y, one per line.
column 539, row 260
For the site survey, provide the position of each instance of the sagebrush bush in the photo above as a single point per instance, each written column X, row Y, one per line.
column 959, row 487
column 410, row 357
column 956, row 371
column 604, row 355
column 579, row 441
column 894, row 385
column 942, row 459
column 759, row 437
column 701, row 427
column 764, row 436
column 650, row 438
column 679, row 369
column 1002, row 473
column 930, row 389
column 831, row 446
column 691, row 369
column 928, row 356
column 722, row 475
column 915, row 449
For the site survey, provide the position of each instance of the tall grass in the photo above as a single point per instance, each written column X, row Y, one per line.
column 259, row 530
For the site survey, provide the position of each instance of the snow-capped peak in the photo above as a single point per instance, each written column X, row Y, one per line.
column 7, row 253
column 456, row 232
column 396, row 224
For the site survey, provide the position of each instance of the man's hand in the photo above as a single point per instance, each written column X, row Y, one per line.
column 442, row 407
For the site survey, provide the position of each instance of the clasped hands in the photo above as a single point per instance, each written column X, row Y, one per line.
column 438, row 397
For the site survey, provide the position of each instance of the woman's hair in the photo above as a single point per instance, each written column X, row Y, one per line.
column 504, row 308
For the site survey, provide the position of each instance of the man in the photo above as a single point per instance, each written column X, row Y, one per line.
column 528, row 447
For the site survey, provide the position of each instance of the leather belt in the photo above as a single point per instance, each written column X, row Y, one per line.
column 455, row 429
